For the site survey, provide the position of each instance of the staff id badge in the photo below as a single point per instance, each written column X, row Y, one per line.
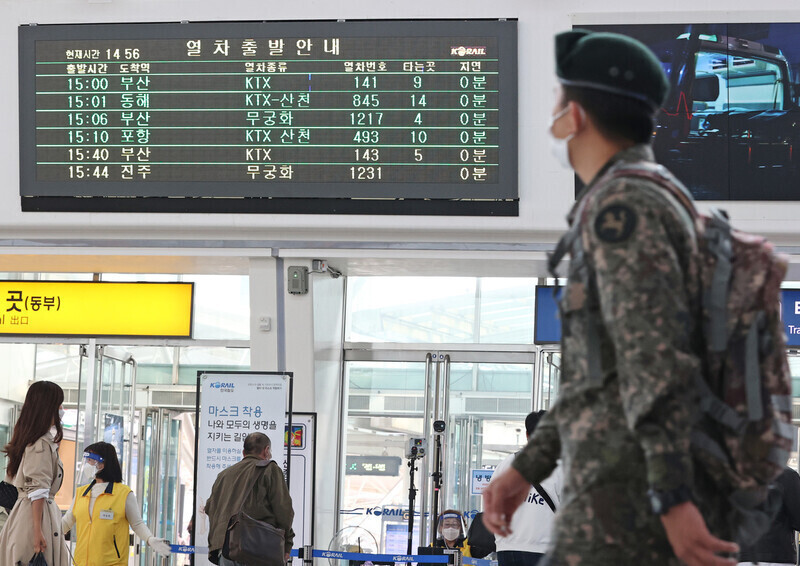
column 109, row 515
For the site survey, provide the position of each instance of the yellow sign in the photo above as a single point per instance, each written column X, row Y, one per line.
column 73, row 308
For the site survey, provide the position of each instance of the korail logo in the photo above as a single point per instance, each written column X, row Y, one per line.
column 380, row 511
column 399, row 512
column 463, row 51
column 220, row 385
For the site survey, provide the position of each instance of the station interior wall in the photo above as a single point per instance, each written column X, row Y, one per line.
column 305, row 336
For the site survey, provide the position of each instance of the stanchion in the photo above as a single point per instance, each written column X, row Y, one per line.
column 395, row 558
column 307, row 554
column 416, row 450
column 438, row 426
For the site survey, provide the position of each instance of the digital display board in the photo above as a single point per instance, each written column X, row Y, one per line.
column 396, row 117
column 372, row 466
column 731, row 120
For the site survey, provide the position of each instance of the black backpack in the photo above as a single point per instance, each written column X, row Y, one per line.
column 480, row 539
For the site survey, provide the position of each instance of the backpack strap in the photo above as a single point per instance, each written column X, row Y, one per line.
column 752, row 371
column 718, row 238
column 546, row 496
column 571, row 241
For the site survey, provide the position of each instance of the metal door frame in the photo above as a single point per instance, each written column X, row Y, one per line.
column 544, row 351
column 95, row 368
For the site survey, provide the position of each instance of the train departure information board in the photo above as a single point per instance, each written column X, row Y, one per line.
column 391, row 117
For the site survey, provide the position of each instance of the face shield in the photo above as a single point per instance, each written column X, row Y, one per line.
column 451, row 526
column 88, row 468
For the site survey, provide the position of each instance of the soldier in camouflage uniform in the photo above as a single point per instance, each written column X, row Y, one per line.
column 622, row 419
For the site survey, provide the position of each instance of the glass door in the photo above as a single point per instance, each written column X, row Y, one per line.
column 392, row 397
column 486, row 397
column 159, row 480
column 106, row 406
column 384, row 410
column 549, row 377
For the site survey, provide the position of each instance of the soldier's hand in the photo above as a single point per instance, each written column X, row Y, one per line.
column 690, row 539
column 501, row 498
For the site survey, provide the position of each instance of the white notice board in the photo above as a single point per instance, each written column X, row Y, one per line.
column 232, row 405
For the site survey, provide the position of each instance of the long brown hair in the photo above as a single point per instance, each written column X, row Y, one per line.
column 38, row 414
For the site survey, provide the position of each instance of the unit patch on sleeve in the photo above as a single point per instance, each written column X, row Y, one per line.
column 615, row 223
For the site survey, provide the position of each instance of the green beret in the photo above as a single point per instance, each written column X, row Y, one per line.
column 612, row 63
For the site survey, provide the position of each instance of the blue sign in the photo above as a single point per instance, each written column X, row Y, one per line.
column 790, row 313
column 548, row 325
column 547, row 329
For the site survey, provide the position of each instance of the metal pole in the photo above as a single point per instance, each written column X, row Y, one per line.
column 437, row 438
column 412, row 493
column 89, row 403
column 131, row 418
column 100, row 351
column 426, row 425
column 437, row 482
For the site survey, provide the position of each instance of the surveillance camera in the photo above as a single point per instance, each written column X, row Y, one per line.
column 438, row 426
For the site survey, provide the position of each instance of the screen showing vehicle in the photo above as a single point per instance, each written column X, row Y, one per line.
column 731, row 120
column 397, row 117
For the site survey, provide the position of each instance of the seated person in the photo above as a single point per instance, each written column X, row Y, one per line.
column 451, row 533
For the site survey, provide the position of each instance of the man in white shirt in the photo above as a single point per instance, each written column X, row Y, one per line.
column 532, row 522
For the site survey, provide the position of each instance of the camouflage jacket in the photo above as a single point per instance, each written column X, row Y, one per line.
column 621, row 422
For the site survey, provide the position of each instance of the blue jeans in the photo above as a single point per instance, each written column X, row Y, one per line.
column 517, row 558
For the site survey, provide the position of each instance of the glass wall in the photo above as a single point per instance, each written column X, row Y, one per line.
column 482, row 331
column 436, row 310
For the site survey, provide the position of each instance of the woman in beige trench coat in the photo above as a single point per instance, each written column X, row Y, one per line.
column 34, row 467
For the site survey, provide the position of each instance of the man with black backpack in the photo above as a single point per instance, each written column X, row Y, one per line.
column 632, row 342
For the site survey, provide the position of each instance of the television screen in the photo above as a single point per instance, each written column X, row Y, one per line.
column 731, row 120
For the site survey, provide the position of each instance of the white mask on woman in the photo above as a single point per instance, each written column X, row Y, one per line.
column 450, row 533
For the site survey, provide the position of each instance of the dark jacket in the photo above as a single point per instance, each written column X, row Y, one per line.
column 269, row 502
column 777, row 544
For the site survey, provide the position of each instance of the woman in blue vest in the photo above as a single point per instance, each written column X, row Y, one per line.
column 104, row 509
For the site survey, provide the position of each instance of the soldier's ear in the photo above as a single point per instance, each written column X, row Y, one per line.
column 578, row 116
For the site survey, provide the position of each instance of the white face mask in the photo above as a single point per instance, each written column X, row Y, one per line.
column 61, row 413
column 450, row 533
column 559, row 147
